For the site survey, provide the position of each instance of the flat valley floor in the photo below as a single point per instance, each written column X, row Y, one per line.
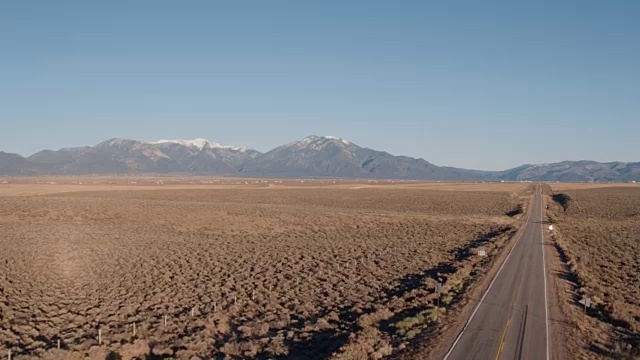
column 144, row 267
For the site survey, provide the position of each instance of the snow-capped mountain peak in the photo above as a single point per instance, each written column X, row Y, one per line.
column 313, row 138
column 346, row 142
column 319, row 143
column 201, row 143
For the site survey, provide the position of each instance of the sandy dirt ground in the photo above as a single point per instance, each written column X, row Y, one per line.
column 291, row 270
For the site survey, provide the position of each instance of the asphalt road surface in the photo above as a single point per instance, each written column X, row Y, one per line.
column 511, row 321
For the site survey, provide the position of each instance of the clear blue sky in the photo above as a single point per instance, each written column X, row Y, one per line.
column 476, row 84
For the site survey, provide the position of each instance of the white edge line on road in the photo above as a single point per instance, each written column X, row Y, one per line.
column 473, row 314
column 544, row 268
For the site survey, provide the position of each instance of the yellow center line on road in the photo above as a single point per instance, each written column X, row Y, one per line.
column 504, row 337
column 495, row 277
column 512, row 306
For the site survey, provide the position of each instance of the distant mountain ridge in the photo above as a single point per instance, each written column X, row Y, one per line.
column 313, row 156
column 577, row 171
column 322, row 156
column 125, row 156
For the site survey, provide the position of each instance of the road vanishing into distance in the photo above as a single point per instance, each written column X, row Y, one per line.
column 511, row 319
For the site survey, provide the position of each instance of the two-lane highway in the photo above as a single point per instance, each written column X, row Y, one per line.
column 511, row 319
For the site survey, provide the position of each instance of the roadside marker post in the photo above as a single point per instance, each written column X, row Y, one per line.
column 586, row 301
column 482, row 251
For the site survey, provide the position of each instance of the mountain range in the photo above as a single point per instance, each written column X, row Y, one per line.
column 311, row 157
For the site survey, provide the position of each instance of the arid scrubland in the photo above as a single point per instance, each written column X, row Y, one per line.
column 598, row 236
column 248, row 273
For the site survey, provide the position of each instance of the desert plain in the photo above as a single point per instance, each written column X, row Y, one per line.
column 109, row 268
column 218, row 268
